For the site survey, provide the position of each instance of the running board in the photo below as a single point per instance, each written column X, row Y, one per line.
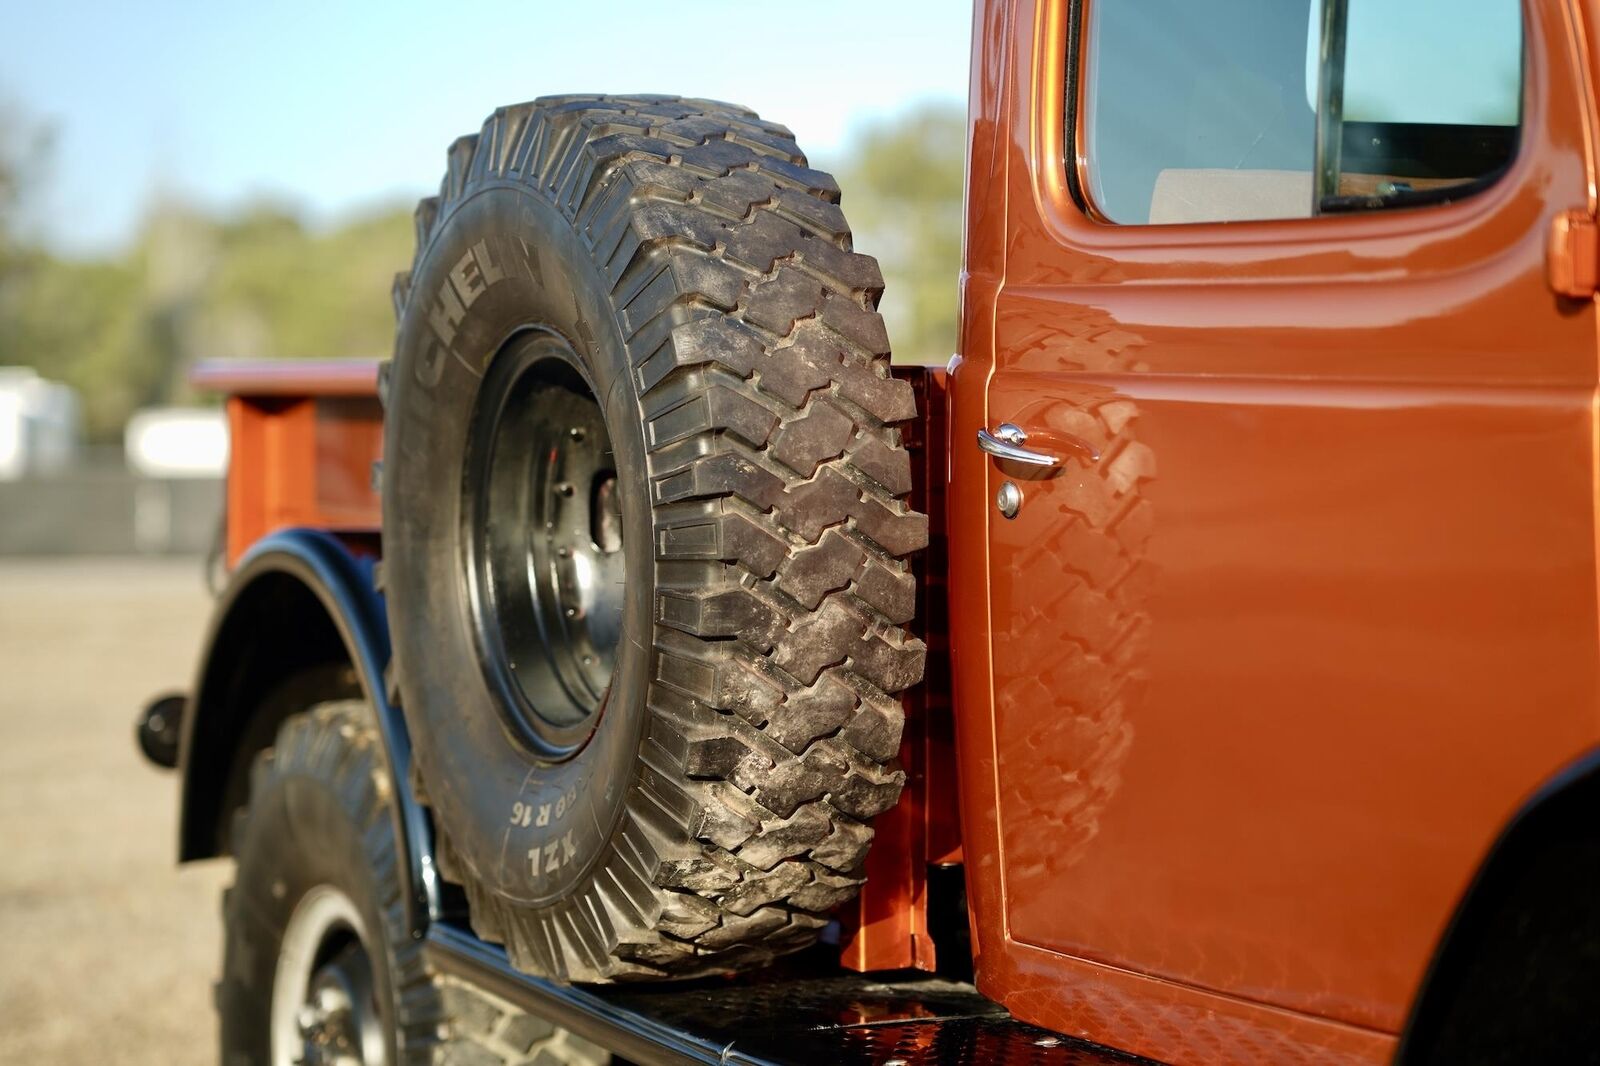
column 795, row 1015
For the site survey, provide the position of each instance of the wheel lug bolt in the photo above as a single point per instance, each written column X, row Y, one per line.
column 565, row 488
column 563, row 553
column 575, row 433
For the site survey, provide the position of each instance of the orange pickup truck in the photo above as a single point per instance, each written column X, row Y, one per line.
column 1202, row 668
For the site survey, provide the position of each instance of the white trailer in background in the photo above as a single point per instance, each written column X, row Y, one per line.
column 165, row 443
column 39, row 424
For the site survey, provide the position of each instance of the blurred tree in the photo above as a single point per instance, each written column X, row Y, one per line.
column 901, row 182
column 260, row 283
column 281, row 290
column 125, row 331
column 82, row 323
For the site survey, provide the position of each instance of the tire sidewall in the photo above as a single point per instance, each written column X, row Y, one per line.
column 515, row 262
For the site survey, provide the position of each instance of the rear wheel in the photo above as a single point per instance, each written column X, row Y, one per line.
column 319, row 968
column 645, row 537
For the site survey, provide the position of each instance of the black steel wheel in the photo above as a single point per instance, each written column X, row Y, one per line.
column 543, row 545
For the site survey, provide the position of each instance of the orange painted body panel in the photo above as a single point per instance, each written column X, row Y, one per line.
column 1241, row 706
column 889, row 920
column 302, row 441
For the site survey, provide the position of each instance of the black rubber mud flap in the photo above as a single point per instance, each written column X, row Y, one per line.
column 646, row 537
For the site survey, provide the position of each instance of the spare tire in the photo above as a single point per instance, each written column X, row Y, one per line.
column 645, row 536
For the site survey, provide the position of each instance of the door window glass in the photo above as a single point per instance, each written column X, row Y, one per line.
column 1233, row 110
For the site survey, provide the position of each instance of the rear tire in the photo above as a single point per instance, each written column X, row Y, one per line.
column 680, row 779
column 319, row 966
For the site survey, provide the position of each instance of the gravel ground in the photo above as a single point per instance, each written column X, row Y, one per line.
column 107, row 949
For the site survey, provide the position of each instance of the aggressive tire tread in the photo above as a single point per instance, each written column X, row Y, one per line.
column 782, row 533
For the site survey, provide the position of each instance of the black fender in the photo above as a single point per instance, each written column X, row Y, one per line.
column 298, row 601
column 1514, row 976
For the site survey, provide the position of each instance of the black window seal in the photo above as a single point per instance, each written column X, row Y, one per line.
column 1074, row 65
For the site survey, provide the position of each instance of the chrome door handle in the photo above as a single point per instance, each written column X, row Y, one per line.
column 1007, row 441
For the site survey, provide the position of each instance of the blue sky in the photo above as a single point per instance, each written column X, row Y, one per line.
column 339, row 106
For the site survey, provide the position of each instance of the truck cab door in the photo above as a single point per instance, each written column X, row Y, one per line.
column 1287, row 485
